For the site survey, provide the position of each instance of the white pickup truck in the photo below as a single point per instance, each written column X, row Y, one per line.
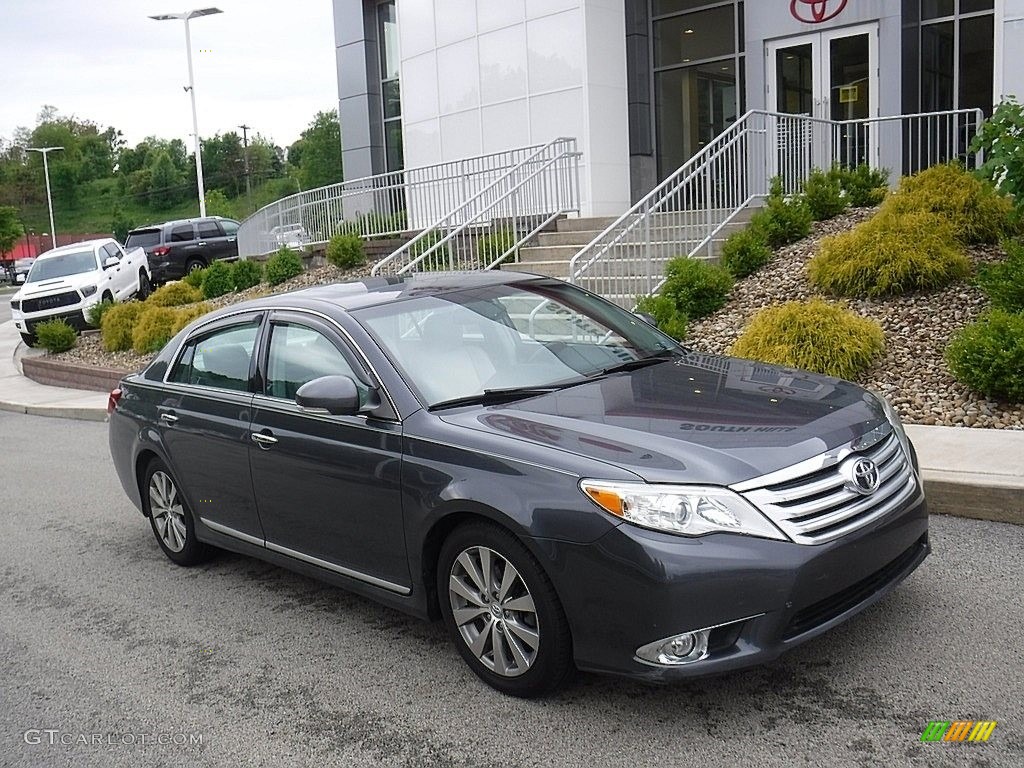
column 67, row 281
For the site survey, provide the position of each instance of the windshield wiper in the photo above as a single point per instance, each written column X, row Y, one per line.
column 632, row 365
column 504, row 395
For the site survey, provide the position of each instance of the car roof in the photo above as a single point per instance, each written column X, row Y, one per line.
column 374, row 291
column 175, row 222
column 72, row 247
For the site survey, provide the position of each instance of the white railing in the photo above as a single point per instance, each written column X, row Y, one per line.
column 684, row 214
column 491, row 225
column 385, row 205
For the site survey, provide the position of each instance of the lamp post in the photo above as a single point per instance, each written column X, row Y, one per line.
column 44, row 151
column 191, row 88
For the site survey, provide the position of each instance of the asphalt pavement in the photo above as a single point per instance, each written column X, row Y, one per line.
column 106, row 648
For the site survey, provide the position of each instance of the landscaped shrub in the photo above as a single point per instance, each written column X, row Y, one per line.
column 988, row 355
column 185, row 315
column 174, row 294
column 864, row 186
column 889, row 254
column 56, row 335
column 696, row 287
column 665, row 313
column 118, row 324
column 1004, row 281
column 246, row 273
column 218, row 280
column 195, row 278
column 489, row 247
column 153, row 328
column 977, row 212
column 346, row 251
column 745, row 252
column 1001, row 138
column 813, row 335
column 283, row 265
column 782, row 221
column 94, row 315
column 824, row 195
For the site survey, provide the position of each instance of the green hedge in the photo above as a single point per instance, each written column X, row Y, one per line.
column 988, row 355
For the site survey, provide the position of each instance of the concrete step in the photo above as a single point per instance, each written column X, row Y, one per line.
column 559, row 269
column 534, row 253
column 580, row 237
column 597, row 223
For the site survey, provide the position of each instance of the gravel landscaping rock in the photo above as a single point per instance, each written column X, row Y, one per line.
column 912, row 374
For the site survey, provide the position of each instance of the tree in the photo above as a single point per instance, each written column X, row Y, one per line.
column 165, row 186
column 224, row 163
column 10, row 228
column 217, row 204
column 318, row 156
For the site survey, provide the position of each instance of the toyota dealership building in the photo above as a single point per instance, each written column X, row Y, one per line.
column 644, row 84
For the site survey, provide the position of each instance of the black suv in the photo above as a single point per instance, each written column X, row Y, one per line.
column 176, row 248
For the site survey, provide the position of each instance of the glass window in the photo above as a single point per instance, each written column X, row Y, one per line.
column 143, row 239
column 933, row 9
column 299, row 354
column 182, row 233
column 977, row 35
column 393, row 145
column 972, row 6
column 209, row 229
column 220, row 359
column 937, row 67
column 695, row 36
column 388, row 40
column 392, row 99
column 662, row 7
column 230, row 227
column 62, row 266
column 795, row 73
column 111, row 250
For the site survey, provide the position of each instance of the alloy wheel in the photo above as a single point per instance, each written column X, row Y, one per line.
column 167, row 512
column 494, row 611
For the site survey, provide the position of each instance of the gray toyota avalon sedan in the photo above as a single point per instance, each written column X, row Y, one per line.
column 562, row 484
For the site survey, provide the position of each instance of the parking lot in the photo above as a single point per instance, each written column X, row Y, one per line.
column 103, row 640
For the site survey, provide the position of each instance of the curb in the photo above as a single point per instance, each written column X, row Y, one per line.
column 76, row 413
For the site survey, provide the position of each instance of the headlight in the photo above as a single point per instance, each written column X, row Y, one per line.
column 897, row 425
column 687, row 510
column 89, row 290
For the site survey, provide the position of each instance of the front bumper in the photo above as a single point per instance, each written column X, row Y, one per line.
column 73, row 316
column 634, row 586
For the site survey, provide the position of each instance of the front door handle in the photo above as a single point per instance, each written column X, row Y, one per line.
column 168, row 418
column 263, row 440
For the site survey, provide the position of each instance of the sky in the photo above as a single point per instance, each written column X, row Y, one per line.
column 267, row 63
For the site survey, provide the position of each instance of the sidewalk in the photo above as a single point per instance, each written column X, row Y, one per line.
column 967, row 472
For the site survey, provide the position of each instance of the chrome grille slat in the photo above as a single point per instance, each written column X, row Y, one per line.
column 823, row 509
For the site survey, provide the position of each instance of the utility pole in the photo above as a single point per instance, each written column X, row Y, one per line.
column 245, row 157
column 44, row 151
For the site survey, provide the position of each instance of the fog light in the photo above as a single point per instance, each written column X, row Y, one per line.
column 679, row 649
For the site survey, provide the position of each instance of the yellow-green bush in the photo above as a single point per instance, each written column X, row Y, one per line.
column 889, row 254
column 976, row 211
column 174, row 294
column 117, row 325
column 153, row 329
column 185, row 315
column 813, row 335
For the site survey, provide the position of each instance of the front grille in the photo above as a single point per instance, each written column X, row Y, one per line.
column 75, row 319
column 44, row 303
column 816, row 506
column 835, row 605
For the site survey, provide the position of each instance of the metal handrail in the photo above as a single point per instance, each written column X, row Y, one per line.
column 684, row 214
column 553, row 194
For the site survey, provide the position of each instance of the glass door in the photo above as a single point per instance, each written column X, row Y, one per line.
column 832, row 76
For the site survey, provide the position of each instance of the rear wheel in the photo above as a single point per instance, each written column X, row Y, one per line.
column 194, row 265
column 170, row 517
column 502, row 611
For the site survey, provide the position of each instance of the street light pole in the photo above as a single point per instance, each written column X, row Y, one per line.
column 44, row 151
column 186, row 16
column 245, row 156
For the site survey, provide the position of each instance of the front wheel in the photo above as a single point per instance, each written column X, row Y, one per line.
column 502, row 612
column 29, row 339
column 144, row 286
column 170, row 517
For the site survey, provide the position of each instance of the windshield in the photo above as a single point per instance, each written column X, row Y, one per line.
column 532, row 335
column 62, row 266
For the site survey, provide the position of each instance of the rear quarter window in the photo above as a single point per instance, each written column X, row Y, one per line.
column 181, row 234
column 143, row 239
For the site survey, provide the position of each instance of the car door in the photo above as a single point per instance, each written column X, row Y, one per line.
column 211, row 239
column 327, row 487
column 183, row 247
column 204, row 424
column 230, row 227
column 113, row 276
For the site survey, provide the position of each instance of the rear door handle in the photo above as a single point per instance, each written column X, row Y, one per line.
column 168, row 418
column 262, row 440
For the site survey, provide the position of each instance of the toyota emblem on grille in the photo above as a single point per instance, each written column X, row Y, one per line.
column 861, row 476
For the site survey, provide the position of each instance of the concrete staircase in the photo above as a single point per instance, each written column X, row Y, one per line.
column 554, row 250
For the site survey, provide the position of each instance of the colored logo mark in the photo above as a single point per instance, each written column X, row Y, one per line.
column 816, row 11
column 959, row 730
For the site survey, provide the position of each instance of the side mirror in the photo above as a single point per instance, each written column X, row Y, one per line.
column 337, row 395
column 649, row 319
column 111, row 261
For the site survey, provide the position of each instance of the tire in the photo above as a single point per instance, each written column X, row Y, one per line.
column 29, row 339
column 194, row 265
column 107, row 296
column 169, row 516
column 515, row 650
column 144, row 286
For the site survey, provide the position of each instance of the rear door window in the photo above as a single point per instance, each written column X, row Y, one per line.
column 182, row 233
column 221, row 359
column 209, row 229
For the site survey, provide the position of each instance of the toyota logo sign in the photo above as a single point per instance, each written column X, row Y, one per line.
column 816, row 11
column 860, row 476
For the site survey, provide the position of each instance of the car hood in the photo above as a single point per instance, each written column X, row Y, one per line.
column 58, row 285
column 698, row 419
